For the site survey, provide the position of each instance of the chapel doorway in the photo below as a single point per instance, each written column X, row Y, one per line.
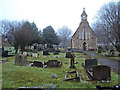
column 84, row 46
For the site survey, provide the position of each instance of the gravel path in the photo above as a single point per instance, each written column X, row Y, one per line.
column 115, row 65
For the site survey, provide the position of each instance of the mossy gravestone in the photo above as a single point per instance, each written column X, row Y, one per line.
column 21, row 59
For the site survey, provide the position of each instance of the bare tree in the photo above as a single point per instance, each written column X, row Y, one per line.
column 65, row 35
column 102, row 39
column 107, row 19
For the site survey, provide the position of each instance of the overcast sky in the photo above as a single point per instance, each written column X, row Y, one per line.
column 56, row 13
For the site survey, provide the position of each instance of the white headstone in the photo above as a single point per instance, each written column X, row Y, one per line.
column 34, row 55
column 25, row 53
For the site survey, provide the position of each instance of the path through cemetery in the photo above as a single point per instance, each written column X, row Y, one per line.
column 111, row 63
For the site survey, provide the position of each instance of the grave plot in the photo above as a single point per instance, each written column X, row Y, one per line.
column 100, row 73
column 53, row 63
column 89, row 63
column 72, row 73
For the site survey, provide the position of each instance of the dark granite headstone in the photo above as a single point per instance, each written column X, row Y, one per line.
column 101, row 72
column 4, row 53
column 89, row 63
column 68, row 55
column 37, row 64
column 46, row 53
column 53, row 63
column 99, row 49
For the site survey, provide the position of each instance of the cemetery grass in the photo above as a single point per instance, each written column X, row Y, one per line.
column 14, row 76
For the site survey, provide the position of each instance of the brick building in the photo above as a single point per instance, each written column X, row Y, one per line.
column 84, row 37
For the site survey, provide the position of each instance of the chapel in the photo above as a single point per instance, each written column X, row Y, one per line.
column 84, row 38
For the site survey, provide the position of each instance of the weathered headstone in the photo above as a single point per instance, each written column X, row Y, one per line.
column 101, row 72
column 53, row 63
column 74, row 50
column 89, row 63
column 21, row 59
column 46, row 52
column 37, row 64
column 72, row 61
column 68, row 55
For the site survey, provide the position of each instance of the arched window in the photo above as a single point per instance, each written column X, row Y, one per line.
column 88, row 35
column 81, row 35
column 84, row 35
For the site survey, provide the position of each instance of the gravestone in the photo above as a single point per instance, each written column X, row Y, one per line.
column 74, row 50
column 56, row 52
column 68, row 55
column 46, row 53
column 89, row 63
column 37, row 64
column 80, row 51
column 34, row 55
column 4, row 53
column 25, row 53
column 21, row 59
column 101, row 72
column 99, row 49
column 118, row 55
column 72, row 61
column 111, row 53
column 53, row 63
column 66, row 50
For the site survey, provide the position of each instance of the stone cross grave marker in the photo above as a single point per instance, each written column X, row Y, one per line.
column 72, row 61
column 89, row 63
column 101, row 72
